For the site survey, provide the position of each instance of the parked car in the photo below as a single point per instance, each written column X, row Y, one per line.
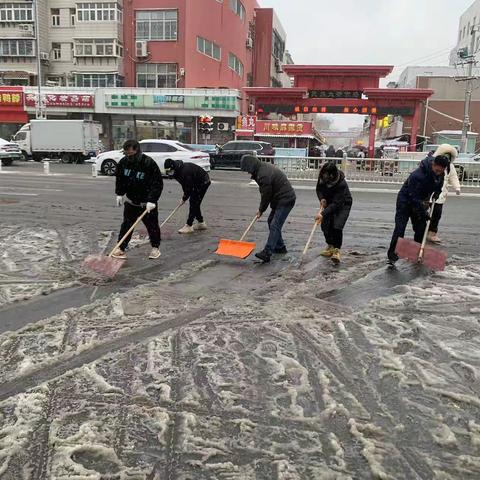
column 468, row 167
column 159, row 150
column 230, row 155
column 9, row 152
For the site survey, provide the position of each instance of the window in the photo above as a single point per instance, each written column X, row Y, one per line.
column 464, row 28
column 237, row 7
column 157, row 25
column 99, row 12
column 157, row 75
column 17, row 48
column 56, row 51
column 158, row 147
column 21, row 136
column 98, row 80
column 278, row 49
column 73, row 14
column 209, row 48
column 55, row 15
column 235, row 64
column 16, row 12
column 98, row 47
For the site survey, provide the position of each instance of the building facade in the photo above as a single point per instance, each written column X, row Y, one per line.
column 142, row 43
column 469, row 18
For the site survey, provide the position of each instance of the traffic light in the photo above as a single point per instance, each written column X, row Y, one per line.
column 205, row 124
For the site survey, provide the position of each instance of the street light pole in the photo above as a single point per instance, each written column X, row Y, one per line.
column 468, row 91
column 40, row 113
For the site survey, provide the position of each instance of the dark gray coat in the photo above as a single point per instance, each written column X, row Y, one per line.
column 275, row 189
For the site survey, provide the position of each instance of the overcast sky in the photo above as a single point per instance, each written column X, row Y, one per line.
column 382, row 32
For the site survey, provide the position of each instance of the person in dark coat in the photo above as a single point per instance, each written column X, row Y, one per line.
column 138, row 178
column 330, row 153
column 276, row 192
column 413, row 200
column 335, row 205
column 195, row 182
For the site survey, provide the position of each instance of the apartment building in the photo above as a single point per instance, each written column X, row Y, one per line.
column 468, row 19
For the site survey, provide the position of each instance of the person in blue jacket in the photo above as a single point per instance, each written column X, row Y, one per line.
column 413, row 199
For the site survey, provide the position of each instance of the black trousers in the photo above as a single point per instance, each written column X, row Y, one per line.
column 333, row 236
column 150, row 220
column 404, row 213
column 436, row 216
column 196, row 199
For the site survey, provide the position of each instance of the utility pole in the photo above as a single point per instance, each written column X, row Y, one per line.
column 40, row 107
column 469, row 89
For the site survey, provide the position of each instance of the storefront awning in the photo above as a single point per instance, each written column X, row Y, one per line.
column 283, row 136
column 12, row 116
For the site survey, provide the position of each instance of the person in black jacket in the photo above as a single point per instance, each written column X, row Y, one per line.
column 140, row 181
column 335, row 205
column 413, row 199
column 276, row 192
column 195, row 182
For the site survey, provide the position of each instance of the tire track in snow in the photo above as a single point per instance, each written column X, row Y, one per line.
column 63, row 365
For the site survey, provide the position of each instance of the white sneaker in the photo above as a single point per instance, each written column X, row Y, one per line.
column 120, row 254
column 155, row 253
column 200, row 226
column 186, row 229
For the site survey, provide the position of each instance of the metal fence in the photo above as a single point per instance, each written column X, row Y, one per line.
column 368, row 170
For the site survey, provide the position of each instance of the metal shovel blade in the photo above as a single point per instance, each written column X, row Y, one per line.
column 235, row 248
column 103, row 265
column 432, row 258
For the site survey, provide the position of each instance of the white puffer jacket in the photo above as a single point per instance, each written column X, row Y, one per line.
column 451, row 179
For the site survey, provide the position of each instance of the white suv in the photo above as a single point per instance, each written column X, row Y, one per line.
column 158, row 150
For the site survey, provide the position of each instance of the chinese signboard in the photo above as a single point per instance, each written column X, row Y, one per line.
column 334, row 94
column 286, row 128
column 246, row 122
column 72, row 100
column 292, row 109
column 187, row 102
column 11, row 98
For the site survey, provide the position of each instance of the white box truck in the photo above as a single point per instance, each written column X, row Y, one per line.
column 72, row 141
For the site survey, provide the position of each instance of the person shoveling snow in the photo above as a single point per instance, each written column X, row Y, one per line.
column 276, row 192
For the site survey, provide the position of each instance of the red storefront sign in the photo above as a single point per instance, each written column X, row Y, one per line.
column 284, row 128
column 74, row 100
column 11, row 105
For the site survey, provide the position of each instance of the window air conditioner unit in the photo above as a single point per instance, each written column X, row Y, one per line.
column 141, row 48
column 44, row 56
column 223, row 127
column 250, row 43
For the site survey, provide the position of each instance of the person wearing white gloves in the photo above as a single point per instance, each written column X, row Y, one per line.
column 451, row 180
column 138, row 187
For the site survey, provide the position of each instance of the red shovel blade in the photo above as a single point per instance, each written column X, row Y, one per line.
column 432, row 258
column 103, row 265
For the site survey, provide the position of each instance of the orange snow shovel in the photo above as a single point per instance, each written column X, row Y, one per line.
column 237, row 248
column 109, row 266
column 414, row 252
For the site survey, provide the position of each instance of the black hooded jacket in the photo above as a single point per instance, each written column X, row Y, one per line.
column 420, row 185
column 139, row 178
column 275, row 189
column 190, row 176
column 336, row 193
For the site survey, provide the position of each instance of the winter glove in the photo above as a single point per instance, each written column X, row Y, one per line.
column 319, row 218
column 184, row 198
column 150, row 206
column 458, row 192
column 119, row 200
column 427, row 216
column 259, row 214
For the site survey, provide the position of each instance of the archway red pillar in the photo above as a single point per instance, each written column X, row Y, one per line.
column 415, row 125
column 371, row 138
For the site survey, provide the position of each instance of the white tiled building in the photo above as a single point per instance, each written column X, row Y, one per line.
column 81, row 43
column 469, row 18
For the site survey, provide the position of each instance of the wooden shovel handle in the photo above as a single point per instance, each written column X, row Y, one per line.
column 427, row 228
column 130, row 230
column 252, row 223
column 177, row 208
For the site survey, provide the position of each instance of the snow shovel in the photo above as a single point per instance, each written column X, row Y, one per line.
column 109, row 266
column 143, row 232
column 310, row 238
column 414, row 252
column 237, row 248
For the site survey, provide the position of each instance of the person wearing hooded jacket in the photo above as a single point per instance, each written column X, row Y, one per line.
column 195, row 182
column 276, row 192
column 413, row 200
column 451, row 179
column 139, row 180
column 335, row 205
